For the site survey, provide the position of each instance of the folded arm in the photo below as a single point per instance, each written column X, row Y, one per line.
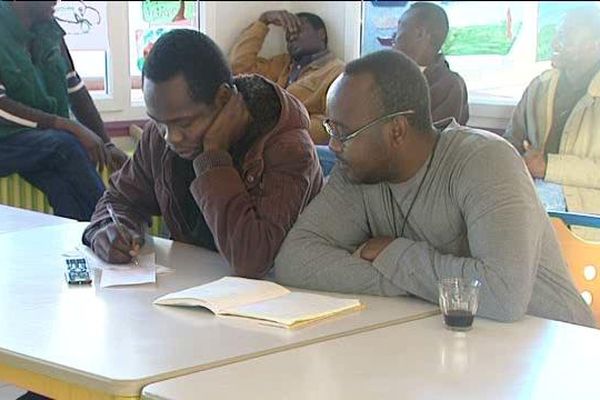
column 318, row 252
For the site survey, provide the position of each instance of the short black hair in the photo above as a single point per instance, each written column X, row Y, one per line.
column 400, row 85
column 434, row 19
column 315, row 21
column 193, row 54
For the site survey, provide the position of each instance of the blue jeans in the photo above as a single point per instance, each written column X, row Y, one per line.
column 326, row 158
column 55, row 162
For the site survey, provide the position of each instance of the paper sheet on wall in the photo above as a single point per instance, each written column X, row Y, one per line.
column 85, row 24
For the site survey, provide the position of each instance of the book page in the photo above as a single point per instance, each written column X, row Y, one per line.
column 227, row 292
column 294, row 308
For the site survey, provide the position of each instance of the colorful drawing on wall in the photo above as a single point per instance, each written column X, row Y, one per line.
column 165, row 12
column 161, row 17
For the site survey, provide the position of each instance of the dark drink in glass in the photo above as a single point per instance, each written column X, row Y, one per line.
column 459, row 318
column 459, row 299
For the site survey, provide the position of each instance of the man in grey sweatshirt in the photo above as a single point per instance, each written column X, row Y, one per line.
column 409, row 204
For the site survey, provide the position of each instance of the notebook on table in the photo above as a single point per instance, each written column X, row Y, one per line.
column 261, row 300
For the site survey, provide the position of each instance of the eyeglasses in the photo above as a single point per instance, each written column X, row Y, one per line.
column 330, row 129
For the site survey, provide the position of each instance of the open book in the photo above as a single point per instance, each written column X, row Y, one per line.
column 261, row 300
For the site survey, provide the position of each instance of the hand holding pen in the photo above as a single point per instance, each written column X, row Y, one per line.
column 134, row 247
column 115, row 242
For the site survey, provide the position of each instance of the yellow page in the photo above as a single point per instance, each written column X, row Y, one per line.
column 294, row 308
column 224, row 293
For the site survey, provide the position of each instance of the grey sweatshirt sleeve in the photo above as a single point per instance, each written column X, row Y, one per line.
column 505, row 226
column 317, row 253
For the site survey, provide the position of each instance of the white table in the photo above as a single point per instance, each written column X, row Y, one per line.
column 15, row 219
column 67, row 342
column 531, row 359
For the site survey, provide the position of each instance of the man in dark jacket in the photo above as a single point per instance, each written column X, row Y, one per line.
column 228, row 162
column 422, row 31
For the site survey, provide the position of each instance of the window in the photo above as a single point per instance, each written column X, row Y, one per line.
column 109, row 40
column 497, row 47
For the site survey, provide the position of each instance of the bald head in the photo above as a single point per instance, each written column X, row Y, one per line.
column 422, row 31
column 398, row 85
column 435, row 21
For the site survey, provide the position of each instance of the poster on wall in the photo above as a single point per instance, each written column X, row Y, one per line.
column 85, row 23
column 472, row 32
column 149, row 20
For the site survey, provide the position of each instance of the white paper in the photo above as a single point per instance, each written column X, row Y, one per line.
column 125, row 274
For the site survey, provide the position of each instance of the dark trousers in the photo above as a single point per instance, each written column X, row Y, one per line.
column 55, row 162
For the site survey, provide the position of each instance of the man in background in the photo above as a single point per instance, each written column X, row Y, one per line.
column 306, row 71
column 38, row 140
column 422, row 30
column 556, row 125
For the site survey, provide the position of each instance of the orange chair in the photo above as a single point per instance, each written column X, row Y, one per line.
column 583, row 259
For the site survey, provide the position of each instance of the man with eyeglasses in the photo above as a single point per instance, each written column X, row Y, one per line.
column 409, row 204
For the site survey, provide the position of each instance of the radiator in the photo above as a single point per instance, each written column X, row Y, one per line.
column 17, row 192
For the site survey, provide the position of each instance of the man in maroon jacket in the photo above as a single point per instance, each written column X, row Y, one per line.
column 422, row 31
column 228, row 162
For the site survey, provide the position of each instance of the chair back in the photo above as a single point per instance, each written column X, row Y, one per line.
column 583, row 260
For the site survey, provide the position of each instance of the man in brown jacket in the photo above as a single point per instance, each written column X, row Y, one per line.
column 306, row 71
column 422, row 31
column 228, row 162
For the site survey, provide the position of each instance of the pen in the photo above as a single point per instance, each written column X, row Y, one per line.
column 120, row 228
